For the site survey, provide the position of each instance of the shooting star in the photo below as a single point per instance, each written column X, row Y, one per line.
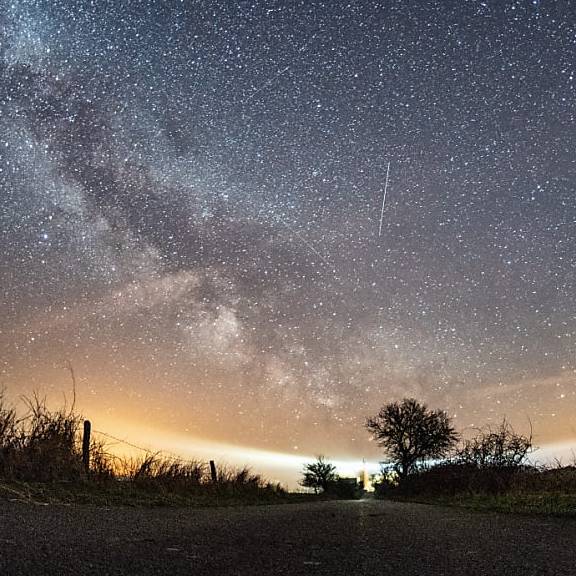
column 306, row 243
column 279, row 73
column 384, row 201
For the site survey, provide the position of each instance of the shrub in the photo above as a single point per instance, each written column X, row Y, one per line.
column 345, row 488
column 500, row 448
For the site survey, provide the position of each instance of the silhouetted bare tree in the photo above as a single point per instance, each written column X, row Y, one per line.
column 410, row 433
column 500, row 448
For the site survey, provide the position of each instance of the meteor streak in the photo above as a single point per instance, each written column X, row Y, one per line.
column 384, row 201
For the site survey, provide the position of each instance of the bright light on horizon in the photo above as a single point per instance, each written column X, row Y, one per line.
column 280, row 467
column 284, row 467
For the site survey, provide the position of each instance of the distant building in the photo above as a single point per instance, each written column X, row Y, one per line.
column 364, row 479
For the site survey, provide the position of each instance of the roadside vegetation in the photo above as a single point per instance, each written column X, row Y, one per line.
column 41, row 461
column 428, row 461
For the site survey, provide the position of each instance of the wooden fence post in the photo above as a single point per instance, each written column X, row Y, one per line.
column 213, row 471
column 86, row 446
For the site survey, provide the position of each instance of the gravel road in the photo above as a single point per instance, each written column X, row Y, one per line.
column 338, row 538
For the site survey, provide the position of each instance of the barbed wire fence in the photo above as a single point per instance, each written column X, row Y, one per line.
column 166, row 455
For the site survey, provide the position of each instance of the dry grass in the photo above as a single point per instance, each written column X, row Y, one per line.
column 44, row 447
column 39, row 446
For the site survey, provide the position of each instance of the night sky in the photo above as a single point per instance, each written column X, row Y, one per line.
column 190, row 202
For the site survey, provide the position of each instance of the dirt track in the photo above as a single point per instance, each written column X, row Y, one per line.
column 336, row 538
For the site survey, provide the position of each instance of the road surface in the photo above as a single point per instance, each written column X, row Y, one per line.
column 337, row 538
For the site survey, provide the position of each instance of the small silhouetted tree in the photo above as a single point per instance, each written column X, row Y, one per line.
column 319, row 474
column 410, row 433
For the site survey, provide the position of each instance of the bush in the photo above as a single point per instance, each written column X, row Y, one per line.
column 345, row 489
column 500, row 448
column 452, row 478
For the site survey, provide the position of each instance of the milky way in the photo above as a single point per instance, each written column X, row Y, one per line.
column 190, row 199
